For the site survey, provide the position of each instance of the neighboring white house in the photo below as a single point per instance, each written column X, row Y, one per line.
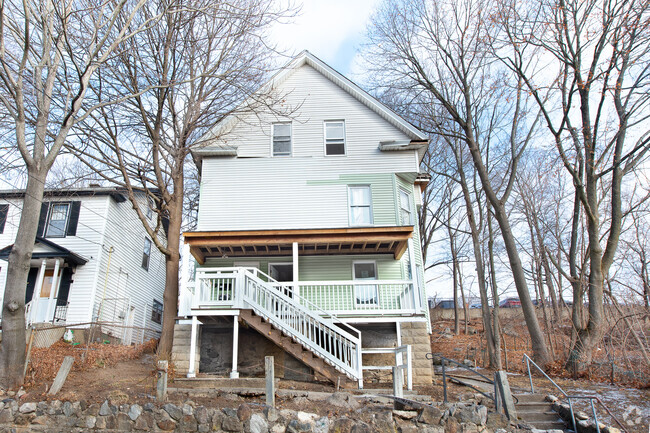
column 308, row 234
column 92, row 261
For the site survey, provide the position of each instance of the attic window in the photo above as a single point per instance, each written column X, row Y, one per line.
column 282, row 139
column 335, row 137
column 57, row 220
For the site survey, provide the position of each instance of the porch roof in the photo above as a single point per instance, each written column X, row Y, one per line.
column 267, row 243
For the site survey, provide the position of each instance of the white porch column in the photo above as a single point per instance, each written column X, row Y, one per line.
column 191, row 372
column 296, row 289
column 414, row 277
column 37, row 291
column 53, row 290
column 234, row 374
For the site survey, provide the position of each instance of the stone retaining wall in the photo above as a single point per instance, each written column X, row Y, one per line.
column 57, row 416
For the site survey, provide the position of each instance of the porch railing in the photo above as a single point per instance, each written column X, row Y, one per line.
column 217, row 288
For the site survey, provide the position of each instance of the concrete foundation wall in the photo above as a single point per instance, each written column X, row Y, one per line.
column 181, row 348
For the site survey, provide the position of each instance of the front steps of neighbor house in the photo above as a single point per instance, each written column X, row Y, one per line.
column 295, row 349
column 535, row 410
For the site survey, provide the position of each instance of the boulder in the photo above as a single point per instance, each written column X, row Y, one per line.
column 244, row 412
column 232, row 423
column 258, row 424
column 430, row 415
column 343, row 400
column 341, row 425
column 174, row 411
column 27, row 407
column 135, row 411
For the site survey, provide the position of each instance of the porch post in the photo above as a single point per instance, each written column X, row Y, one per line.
column 296, row 288
column 414, row 278
column 234, row 374
column 53, row 289
column 37, row 291
column 191, row 372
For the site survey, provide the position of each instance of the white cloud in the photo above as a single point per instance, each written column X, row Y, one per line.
column 329, row 29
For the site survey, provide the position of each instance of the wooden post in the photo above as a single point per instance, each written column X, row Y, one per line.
column 398, row 382
column 29, row 350
column 161, row 386
column 62, row 375
column 269, row 370
column 506, row 396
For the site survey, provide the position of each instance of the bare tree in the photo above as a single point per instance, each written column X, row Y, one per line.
column 49, row 55
column 201, row 61
column 440, row 53
column 590, row 78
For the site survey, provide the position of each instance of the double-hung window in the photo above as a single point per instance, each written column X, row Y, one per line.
column 146, row 253
column 406, row 211
column 57, row 220
column 360, row 205
column 282, row 139
column 335, row 137
column 156, row 311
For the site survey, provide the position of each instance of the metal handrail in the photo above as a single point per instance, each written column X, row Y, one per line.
column 591, row 398
column 444, row 376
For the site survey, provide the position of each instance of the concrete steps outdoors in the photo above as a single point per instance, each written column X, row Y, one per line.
column 535, row 410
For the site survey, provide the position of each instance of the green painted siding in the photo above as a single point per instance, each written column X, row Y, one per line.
column 381, row 189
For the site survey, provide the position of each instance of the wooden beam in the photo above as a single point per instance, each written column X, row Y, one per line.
column 198, row 255
column 399, row 250
column 343, row 230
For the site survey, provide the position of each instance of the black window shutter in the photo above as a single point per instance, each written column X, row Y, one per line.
column 4, row 210
column 64, row 288
column 31, row 283
column 75, row 206
column 42, row 219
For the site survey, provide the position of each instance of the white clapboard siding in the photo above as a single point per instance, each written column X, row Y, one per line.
column 104, row 223
column 129, row 284
column 258, row 191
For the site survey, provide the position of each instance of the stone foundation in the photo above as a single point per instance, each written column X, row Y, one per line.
column 415, row 334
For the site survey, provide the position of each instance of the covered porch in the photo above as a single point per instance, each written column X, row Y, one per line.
column 286, row 255
column 48, row 281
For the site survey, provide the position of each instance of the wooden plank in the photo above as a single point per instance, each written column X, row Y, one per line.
column 269, row 372
column 62, row 375
column 349, row 230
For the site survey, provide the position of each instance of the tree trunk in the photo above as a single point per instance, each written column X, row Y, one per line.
column 12, row 351
column 495, row 296
column 172, row 261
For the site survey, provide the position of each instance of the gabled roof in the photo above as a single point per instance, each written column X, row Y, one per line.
column 49, row 250
column 307, row 58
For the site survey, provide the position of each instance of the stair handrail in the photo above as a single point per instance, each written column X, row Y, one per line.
column 355, row 341
column 304, row 301
column 569, row 398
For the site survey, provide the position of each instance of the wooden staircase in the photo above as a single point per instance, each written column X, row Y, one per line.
column 539, row 413
column 295, row 349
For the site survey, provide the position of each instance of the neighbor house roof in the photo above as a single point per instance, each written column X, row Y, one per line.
column 418, row 138
column 116, row 193
column 50, row 250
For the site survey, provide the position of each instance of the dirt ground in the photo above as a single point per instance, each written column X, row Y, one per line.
column 127, row 375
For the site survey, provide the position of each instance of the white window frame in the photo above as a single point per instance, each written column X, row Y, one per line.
column 53, row 204
column 150, row 205
column 273, row 125
column 365, row 287
column 345, row 138
column 147, row 253
column 408, row 208
column 350, row 206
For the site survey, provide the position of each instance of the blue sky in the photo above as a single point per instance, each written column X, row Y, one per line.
column 332, row 30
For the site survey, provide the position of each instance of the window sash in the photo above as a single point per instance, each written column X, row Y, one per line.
column 335, row 138
column 57, row 220
column 405, row 208
column 360, row 205
column 281, row 139
column 146, row 254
